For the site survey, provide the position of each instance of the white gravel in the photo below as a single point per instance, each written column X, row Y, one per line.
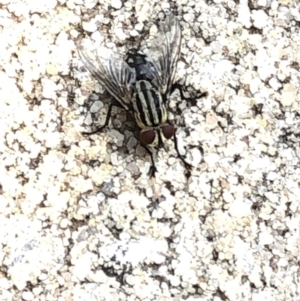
column 79, row 217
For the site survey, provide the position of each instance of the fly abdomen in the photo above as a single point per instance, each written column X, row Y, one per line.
column 143, row 67
column 148, row 105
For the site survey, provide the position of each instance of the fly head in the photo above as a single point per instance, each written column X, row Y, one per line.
column 156, row 137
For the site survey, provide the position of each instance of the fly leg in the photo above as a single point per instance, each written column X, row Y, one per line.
column 113, row 104
column 181, row 91
column 187, row 166
column 152, row 170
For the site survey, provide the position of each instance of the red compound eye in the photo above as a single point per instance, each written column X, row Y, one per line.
column 147, row 137
column 168, row 131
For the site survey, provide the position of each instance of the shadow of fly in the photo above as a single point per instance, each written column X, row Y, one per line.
column 142, row 84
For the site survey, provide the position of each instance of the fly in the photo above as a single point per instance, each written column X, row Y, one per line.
column 143, row 84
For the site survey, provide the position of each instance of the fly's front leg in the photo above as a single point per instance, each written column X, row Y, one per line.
column 181, row 91
column 187, row 166
column 152, row 170
column 113, row 104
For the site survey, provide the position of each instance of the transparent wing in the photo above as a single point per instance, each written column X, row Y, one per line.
column 112, row 72
column 164, row 53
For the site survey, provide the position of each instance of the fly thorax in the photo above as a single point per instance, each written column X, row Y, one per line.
column 149, row 109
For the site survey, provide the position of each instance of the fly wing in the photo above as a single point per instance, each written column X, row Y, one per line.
column 112, row 72
column 164, row 53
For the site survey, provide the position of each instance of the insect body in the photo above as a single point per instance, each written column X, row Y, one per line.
column 150, row 113
column 143, row 84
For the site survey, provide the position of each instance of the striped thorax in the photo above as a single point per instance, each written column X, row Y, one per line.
column 150, row 114
column 149, row 109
